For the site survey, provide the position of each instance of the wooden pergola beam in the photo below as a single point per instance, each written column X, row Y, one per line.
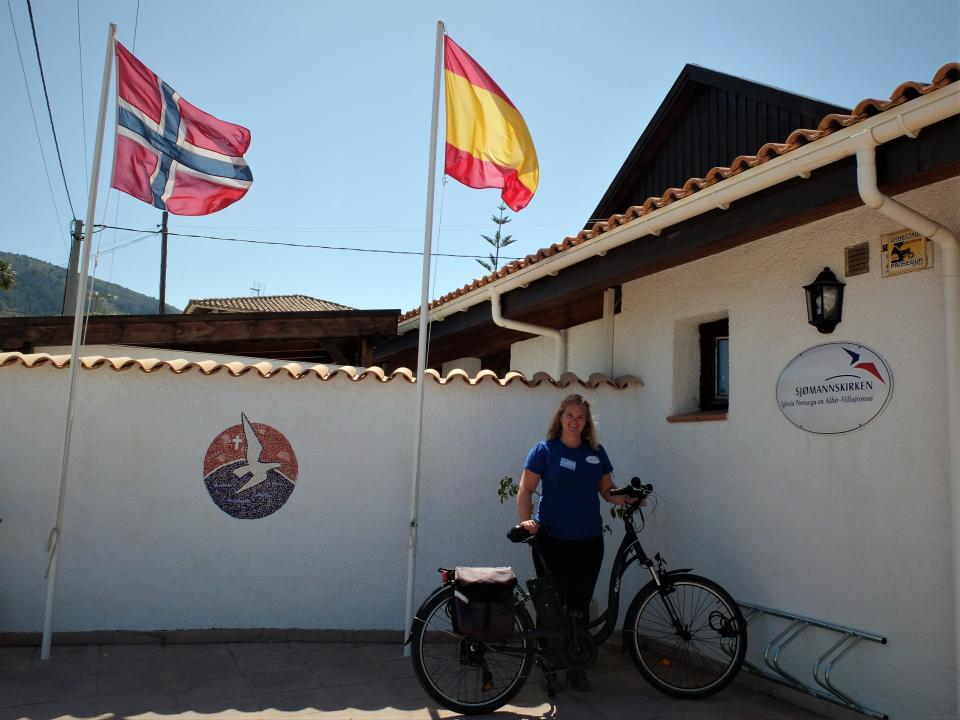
column 183, row 331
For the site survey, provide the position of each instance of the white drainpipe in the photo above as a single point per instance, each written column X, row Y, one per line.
column 559, row 338
column 949, row 260
column 609, row 308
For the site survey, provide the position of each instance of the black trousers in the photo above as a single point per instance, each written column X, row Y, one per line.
column 574, row 566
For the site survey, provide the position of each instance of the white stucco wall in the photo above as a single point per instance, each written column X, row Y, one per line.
column 470, row 365
column 145, row 547
column 585, row 351
column 850, row 528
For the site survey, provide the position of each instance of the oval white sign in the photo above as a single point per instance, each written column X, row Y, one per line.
column 834, row 388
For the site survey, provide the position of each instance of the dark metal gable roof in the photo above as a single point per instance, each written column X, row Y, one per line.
column 707, row 119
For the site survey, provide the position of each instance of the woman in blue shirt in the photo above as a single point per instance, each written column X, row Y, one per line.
column 574, row 470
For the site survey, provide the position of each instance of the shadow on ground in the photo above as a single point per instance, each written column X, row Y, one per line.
column 314, row 680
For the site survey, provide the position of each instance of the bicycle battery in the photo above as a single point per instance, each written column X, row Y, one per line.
column 545, row 602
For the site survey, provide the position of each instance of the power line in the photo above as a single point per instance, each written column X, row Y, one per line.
column 297, row 245
column 111, row 193
column 136, row 23
column 36, row 126
column 368, row 229
column 83, row 112
column 36, row 45
column 126, row 243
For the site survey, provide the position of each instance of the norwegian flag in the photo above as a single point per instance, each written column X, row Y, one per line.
column 170, row 153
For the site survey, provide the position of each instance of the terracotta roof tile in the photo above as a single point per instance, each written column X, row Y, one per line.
column 864, row 110
column 265, row 303
column 295, row 371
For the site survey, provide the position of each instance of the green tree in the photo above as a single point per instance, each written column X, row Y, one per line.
column 8, row 276
column 497, row 241
column 102, row 303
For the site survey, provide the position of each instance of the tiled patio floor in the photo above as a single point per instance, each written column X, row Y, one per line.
column 303, row 681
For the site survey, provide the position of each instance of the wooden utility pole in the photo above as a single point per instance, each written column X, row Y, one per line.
column 70, row 287
column 163, row 262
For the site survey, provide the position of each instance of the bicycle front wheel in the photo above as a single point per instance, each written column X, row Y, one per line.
column 687, row 638
column 467, row 676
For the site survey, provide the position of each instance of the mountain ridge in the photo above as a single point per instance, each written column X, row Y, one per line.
column 39, row 290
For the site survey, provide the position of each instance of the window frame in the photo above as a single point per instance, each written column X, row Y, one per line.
column 710, row 333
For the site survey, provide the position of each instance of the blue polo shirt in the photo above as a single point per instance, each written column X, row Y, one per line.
column 569, row 506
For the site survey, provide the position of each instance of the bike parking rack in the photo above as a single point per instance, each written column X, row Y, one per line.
column 822, row 667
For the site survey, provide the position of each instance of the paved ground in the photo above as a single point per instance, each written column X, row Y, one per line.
column 307, row 681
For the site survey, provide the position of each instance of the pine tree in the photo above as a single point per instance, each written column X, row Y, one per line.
column 8, row 276
column 497, row 241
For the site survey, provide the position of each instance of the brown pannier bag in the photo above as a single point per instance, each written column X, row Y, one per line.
column 483, row 602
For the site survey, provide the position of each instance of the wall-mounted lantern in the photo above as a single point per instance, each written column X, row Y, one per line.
column 824, row 301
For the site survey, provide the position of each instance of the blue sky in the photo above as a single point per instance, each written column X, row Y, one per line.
column 337, row 97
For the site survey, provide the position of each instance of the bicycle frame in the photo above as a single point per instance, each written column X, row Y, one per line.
column 696, row 657
column 630, row 551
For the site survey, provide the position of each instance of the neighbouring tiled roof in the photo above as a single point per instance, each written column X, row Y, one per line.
column 299, row 372
column 265, row 303
column 864, row 110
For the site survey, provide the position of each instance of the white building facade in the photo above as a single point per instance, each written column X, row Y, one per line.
column 852, row 528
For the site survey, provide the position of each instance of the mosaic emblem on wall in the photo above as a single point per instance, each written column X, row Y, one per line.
column 250, row 470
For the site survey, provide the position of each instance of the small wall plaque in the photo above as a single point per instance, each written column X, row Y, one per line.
column 904, row 251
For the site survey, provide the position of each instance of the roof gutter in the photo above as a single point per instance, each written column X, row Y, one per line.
column 949, row 251
column 906, row 119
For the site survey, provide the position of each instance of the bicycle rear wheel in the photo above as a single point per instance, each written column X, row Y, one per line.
column 463, row 675
column 696, row 656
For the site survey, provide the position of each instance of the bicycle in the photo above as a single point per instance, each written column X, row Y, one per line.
column 685, row 633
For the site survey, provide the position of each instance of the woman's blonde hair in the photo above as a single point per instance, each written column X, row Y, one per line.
column 589, row 434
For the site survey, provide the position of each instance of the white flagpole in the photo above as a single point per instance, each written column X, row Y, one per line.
column 422, row 345
column 56, row 534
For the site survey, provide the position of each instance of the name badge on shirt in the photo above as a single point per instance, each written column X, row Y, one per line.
column 568, row 464
column 593, row 459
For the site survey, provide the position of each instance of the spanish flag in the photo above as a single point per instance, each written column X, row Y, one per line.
column 488, row 144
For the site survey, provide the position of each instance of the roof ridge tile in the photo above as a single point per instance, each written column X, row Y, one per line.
column 947, row 74
column 295, row 371
column 456, row 374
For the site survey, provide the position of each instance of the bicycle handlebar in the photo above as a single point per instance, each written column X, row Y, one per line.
column 518, row 534
column 636, row 490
